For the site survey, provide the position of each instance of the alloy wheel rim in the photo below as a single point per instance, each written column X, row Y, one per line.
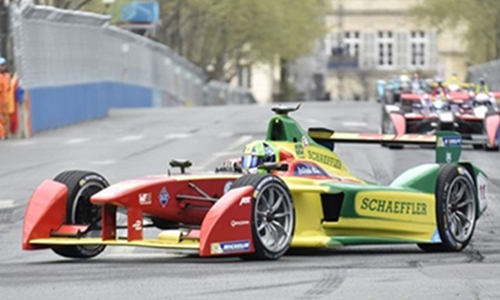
column 274, row 218
column 460, row 209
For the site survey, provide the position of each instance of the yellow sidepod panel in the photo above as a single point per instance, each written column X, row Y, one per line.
column 387, row 214
column 309, row 232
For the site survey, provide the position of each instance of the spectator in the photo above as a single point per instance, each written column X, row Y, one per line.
column 6, row 98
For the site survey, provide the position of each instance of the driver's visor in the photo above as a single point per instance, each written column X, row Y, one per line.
column 251, row 161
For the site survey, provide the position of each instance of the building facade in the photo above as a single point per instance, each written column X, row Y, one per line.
column 373, row 39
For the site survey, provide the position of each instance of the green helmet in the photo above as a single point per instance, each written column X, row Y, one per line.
column 257, row 153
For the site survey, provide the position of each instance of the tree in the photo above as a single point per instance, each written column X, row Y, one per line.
column 230, row 33
column 479, row 18
column 227, row 33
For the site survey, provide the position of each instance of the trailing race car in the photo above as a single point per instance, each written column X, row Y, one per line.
column 300, row 195
column 475, row 117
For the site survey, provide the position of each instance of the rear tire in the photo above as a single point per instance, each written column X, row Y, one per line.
column 493, row 148
column 81, row 186
column 456, row 209
column 273, row 216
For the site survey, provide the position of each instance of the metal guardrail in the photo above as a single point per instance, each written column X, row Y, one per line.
column 80, row 64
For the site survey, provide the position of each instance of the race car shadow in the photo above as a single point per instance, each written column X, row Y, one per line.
column 356, row 250
column 159, row 257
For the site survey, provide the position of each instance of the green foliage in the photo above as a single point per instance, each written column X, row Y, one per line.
column 229, row 33
column 481, row 19
column 226, row 33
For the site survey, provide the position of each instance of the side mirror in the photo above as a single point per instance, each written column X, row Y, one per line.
column 183, row 164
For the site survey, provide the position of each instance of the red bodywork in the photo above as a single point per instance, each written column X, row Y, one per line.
column 192, row 201
column 490, row 122
column 46, row 212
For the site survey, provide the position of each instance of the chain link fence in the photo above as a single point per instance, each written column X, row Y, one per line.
column 489, row 71
column 77, row 66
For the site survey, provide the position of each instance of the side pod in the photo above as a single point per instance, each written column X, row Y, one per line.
column 45, row 212
column 227, row 227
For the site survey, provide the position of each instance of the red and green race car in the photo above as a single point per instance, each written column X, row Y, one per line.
column 303, row 198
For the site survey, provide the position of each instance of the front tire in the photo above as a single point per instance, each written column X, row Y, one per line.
column 79, row 210
column 456, row 209
column 273, row 216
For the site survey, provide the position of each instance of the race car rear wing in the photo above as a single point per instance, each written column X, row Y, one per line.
column 448, row 143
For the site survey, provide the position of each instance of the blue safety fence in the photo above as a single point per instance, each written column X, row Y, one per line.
column 53, row 107
column 76, row 66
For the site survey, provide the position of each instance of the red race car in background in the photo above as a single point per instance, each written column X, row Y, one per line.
column 475, row 116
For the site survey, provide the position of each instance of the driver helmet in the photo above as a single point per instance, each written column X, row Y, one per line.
column 454, row 87
column 481, row 97
column 258, row 153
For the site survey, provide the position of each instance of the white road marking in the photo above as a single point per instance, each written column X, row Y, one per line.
column 314, row 121
column 225, row 134
column 233, row 148
column 240, row 142
column 175, row 136
column 76, row 141
column 228, row 153
column 6, row 204
column 24, row 143
column 103, row 162
column 354, row 124
column 130, row 138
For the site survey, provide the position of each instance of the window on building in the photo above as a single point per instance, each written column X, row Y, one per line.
column 245, row 76
column 418, row 46
column 385, row 43
column 351, row 43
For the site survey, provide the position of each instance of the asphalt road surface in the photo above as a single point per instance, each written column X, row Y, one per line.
column 132, row 143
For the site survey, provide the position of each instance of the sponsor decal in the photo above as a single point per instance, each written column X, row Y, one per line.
column 235, row 223
column 393, row 206
column 137, row 225
column 482, row 191
column 228, row 186
column 164, row 197
column 308, row 170
column 145, row 199
column 324, row 159
column 260, row 185
column 449, row 141
column 245, row 200
column 435, row 237
column 87, row 178
column 299, row 149
column 229, row 247
column 305, row 142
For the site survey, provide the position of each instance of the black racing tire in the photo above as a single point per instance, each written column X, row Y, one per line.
column 81, row 186
column 432, row 247
column 264, row 184
column 395, row 146
column 454, row 180
column 492, row 149
column 477, row 146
